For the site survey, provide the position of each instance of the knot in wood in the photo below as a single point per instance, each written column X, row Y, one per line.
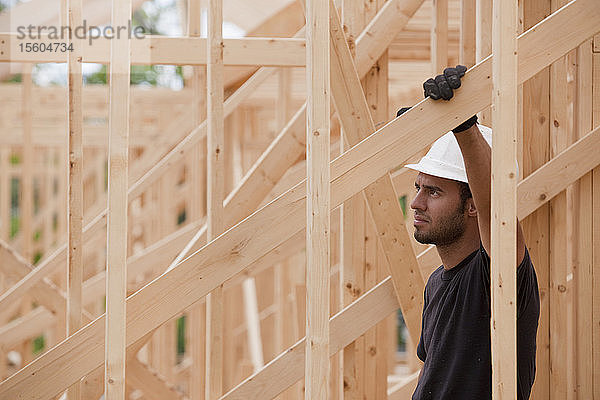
column 562, row 288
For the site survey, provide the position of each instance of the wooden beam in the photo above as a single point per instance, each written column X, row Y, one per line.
column 404, row 389
column 504, row 202
column 468, row 22
column 382, row 29
column 149, row 382
column 151, row 50
column 116, row 259
column 26, row 327
column 372, row 38
column 196, row 316
column 74, row 307
column 565, row 168
column 584, row 244
column 439, row 36
column 381, row 197
column 232, row 251
column 287, row 368
column 215, row 194
column 318, row 208
column 26, row 198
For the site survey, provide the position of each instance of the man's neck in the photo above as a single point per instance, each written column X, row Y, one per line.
column 452, row 254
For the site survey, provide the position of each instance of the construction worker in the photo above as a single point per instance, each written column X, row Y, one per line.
column 452, row 211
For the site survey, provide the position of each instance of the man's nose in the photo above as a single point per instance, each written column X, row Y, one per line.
column 417, row 203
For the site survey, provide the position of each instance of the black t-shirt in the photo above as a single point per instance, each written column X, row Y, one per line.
column 455, row 335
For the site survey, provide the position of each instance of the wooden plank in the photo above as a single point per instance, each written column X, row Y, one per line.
column 116, row 260
column 4, row 193
column 215, row 194
column 362, row 164
column 318, row 200
column 149, row 50
column 26, row 327
column 439, row 36
column 504, row 202
column 149, row 382
column 596, row 233
column 404, row 389
column 584, row 234
column 253, row 323
column 384, row 206
column 559, row 288
column 196, row 316
column 346, row 326
column 568, row 166
column 375, row 37
column 26, row 198
column 536, row 228
column 74, row 305
column 468, row 23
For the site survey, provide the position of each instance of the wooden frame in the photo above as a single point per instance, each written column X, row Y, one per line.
column 245, row 236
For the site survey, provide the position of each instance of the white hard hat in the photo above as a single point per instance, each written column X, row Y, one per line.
column 445, row 160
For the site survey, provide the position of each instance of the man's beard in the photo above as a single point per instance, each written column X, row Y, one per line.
column 447, row 231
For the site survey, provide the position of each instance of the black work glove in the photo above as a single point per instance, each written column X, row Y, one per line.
column 442, row 87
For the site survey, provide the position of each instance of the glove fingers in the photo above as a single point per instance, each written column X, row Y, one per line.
column 461, row 69
column 431, row 89
column 444, row 87
column 452, row 77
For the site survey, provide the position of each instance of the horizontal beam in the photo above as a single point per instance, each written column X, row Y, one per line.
column 345, row 327
column 558, row 173
column 149, row 50
column 231, row 252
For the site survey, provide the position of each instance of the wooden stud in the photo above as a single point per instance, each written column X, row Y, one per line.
column 504, row 202
column 5, row 192
column 536, row 228
column 26, row 200
column 215, row 194
column 116, row 278
column 468, row 22
column 483, row 28
column 75, row 183
column 439, row 36
column 196, row 317
column 318, row 200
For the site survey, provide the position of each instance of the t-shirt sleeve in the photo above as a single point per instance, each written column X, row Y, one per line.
column 527, row 285
column 421, row 353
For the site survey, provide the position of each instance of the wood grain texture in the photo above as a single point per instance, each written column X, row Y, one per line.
column 231, row 252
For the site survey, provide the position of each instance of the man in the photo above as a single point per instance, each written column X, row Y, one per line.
column 452, row 211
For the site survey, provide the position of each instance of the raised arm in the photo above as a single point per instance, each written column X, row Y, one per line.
column 477, row 156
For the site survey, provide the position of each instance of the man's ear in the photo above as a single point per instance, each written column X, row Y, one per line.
column 471, row 209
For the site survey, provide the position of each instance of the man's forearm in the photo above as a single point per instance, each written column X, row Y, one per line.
column 477, row 155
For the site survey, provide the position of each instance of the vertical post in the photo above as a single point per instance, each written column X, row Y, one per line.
column 75, row 202
column 215, row 194
column 483, row 29
column 197, row 315
column 468, row 17
column 318, row 200
column 439, row 36
column 504, row 201
column 116, row 263
column 561, row 348
column 5, row 193
column 26, row 206
column 353, row 234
